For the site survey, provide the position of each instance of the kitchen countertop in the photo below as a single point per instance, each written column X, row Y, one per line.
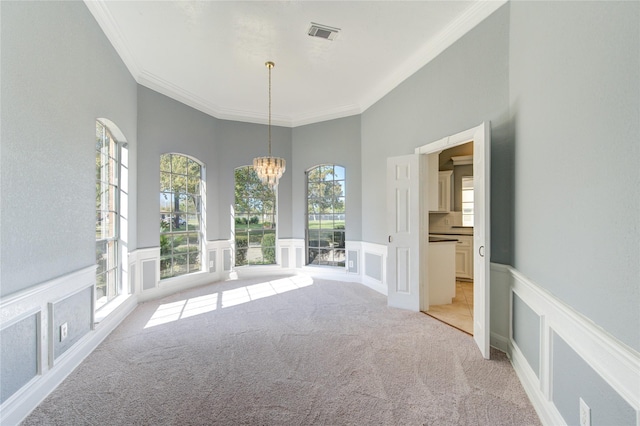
column 442, row 240
column 452, row 231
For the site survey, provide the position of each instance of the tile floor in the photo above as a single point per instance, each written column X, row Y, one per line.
column 458, row 314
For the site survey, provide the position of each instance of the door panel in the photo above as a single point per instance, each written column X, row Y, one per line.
column 403, row 215
column 481, row 232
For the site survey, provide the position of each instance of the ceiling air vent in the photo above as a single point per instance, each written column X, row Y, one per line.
column 323, row 31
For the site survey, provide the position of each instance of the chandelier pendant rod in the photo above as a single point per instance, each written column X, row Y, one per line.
column 270, row 66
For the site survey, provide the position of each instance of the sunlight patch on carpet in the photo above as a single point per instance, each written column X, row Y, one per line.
column 174, row 311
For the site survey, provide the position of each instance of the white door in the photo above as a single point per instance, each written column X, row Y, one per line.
column 481, row 138
column 404, row 228
column 481, row 232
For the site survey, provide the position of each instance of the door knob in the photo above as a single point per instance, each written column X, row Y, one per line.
column 481, row 251
column 390, row 239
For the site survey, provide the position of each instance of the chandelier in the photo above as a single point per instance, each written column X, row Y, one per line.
column 269, row 169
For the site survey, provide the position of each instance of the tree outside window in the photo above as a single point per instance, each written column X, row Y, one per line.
column 254, row 219
column 180, row 215
column 326, row 215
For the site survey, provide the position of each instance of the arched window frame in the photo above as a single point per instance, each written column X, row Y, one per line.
column 111, row 215
column 325, row 215
column 181, row 215
column 254, row 219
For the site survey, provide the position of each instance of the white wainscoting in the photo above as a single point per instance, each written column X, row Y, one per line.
column 617, row 364
column 36, row 300
column 168, row 286
column 294, row 249
column 378, row 254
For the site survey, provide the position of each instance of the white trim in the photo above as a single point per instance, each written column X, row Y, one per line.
column 219, row 246
column 112, row 30
column 500, row 342
column 353, row 246
column 616, row 363
column 39, row 300
column 480, row 135
column 292, row 244
column 39, row 295
column 379, row 250
column 475, row 14
column 546, row 410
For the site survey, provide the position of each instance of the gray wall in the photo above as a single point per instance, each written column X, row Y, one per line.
column 328, row 142
column 574, row 379
column 526, row 332
column 73, row 311
column 18, row 355
column 574, row 94
column 239, row 144
column 464, row 86
column 166, row 125
column 56, row 81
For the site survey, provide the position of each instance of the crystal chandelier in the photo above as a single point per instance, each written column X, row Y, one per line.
column 269, row 169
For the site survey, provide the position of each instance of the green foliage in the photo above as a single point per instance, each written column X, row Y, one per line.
column 251, row 195
column 241, row 220
column 269, row 248
column 165, row 245
column 242, row 243
column 254, row 220
column 326, row 189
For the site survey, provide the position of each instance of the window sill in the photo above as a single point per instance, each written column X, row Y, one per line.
column 110, row 307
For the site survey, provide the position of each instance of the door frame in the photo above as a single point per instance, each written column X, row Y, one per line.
column 481, row 254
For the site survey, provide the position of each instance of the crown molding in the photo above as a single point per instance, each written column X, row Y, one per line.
column 177, row 93
column 111, row 29
column 430, row 50
column 475, row 14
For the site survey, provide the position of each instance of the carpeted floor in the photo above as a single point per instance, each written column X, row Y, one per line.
column 289, row 351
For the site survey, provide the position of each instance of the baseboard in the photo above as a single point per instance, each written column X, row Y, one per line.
column 548, row 413
column 614, row 362
column 18, row 407
column 500, row 342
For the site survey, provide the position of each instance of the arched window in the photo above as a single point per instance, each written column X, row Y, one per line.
column 326, row 215
column 255, row 219
column 110, row 168
column 180, row 215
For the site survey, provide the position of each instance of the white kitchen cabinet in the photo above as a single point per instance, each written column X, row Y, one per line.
column 464, row 254
column 464, row 257
column 445, row 193
column 441, row 271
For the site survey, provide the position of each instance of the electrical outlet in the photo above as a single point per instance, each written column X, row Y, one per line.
column 585, row 414
column 351, row 264
column 211, row 264
column 446, row 221
column 64, row 331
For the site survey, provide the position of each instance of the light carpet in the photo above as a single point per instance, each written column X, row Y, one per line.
column 286, row 351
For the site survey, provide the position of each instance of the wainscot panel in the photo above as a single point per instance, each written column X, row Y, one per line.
column 576, row 359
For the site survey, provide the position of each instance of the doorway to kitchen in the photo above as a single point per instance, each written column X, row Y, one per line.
column 409, row 196
column 451, row 223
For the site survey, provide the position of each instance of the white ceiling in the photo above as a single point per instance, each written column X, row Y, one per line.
column 211, row 54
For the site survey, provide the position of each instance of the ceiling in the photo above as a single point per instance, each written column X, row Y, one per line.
column 210, row 54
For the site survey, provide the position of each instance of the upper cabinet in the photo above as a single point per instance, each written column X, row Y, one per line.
column 445, row 190
column 440, row 195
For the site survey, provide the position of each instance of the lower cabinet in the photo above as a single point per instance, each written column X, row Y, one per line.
column 464, row 255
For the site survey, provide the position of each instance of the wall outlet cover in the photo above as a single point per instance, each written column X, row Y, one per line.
column 64, row 331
